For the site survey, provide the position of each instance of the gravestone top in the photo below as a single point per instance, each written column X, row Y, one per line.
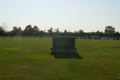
column 63, row 42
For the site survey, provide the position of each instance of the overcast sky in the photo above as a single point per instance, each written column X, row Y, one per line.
column 72, row 15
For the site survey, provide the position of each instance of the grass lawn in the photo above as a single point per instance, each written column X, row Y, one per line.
column 29, row 59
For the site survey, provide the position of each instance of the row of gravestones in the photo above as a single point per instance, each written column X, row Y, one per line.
column 98, row 37
column 94, row 37
column 85, row 37
column 24, row 36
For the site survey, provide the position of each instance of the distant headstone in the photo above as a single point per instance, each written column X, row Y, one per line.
column 103, row 37
column 84, row 37
column 81, row 37
column 77, row 37
column 63, row 45
column 89, row 37
column 108, row 38
column 11, row 36
column 117, row 38
column 27, row 36
column 40, row 36
column 97, row 37
column 113, row 38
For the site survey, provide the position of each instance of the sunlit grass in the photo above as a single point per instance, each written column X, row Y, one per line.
column 29, row 58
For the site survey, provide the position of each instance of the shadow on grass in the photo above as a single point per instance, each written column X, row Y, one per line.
column 67, row 56
column 115, row 47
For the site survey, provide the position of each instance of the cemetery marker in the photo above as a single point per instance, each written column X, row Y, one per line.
column 63, row 45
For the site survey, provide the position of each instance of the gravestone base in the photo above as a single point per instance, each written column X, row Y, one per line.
column 63, row 51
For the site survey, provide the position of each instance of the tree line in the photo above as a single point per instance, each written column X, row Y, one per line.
column 35, row 31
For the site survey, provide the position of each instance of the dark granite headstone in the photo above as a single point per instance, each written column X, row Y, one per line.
column 117, row 38
column 97, row 37
column 11, row 36
column 81, row 37
column 89, row 37
column 63, row 45
column 108, row 38
column 84, row 37
column 27, row 36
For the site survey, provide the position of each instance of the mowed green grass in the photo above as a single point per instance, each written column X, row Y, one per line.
column 29, row 59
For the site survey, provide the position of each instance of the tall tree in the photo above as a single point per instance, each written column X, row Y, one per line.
column 4, row 28
column 109, row 29
column 14, row 31
column 65, row 32
column 50, row 31
column 117, row 34
column 81, row 32
column 28, row 30
column 19, row 32
column 35, row 31
column 57, row 30
column 1, row 31
column 19, row 29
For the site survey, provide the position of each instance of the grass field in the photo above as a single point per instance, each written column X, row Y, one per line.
column 29, row 59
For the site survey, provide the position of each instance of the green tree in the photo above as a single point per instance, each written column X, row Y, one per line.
column 50, row 31
column 19, row 29
column 117, row 34
column 35, row 31
column 81, row 32
column 42, row 33
column 1, row 31
column 19, row 32
column 56, row 30
column 109, row 30
column 65, row 32
column 28, row 30
column 14, row 31
column 4, row 28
